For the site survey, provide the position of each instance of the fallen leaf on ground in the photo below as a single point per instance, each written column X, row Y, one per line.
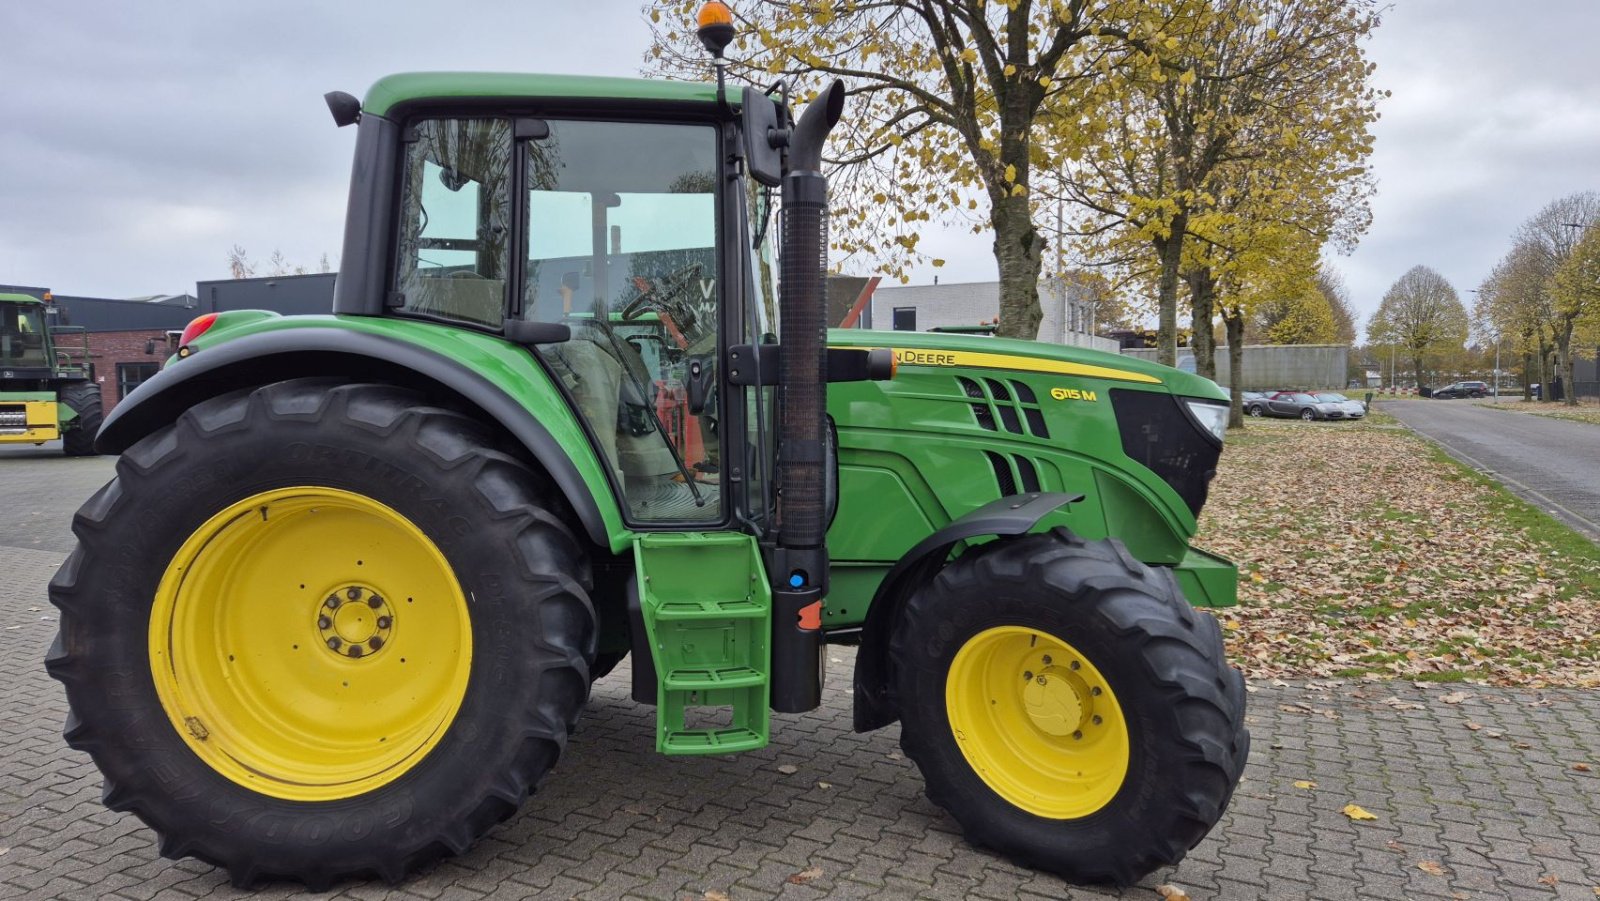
column 714, row 895
column 1172, row 892
column 1396, row 846
column 1474, row 726
column 805, row 875
column 1304, row 783
column 824, row 785
column 1454, row 697
column 1549, row 879
column 1431, row 867
column 788, row 769
column 1356, row 812
column 1583, row 768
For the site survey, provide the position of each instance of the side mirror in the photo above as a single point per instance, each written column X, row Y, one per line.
column 764, row 139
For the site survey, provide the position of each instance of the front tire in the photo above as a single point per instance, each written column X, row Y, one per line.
column 83, row 398
column 1068, row 708
column 1307, row 415
column 322, row 631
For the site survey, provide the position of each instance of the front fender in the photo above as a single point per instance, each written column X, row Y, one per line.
column 287, row 350
column 875, row 704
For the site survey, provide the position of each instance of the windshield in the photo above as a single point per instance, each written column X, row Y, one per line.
column 1304, row 398
column 22, row 335
column 1333, row 398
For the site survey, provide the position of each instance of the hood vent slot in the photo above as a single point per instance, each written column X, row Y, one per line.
column 1006, row 404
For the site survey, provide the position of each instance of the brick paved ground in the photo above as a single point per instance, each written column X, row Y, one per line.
column 1500, row 809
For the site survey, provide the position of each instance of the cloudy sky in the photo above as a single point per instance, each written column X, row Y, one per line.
column 142, row 141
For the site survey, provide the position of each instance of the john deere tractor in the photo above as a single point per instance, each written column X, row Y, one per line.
column 342, row 606
column 47, row 388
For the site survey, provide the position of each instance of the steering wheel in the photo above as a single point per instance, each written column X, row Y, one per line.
column 661, row 293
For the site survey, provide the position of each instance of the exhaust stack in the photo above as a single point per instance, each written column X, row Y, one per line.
column 800, row 570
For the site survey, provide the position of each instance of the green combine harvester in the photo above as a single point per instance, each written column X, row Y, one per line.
column 47, row 387
column 342, row 605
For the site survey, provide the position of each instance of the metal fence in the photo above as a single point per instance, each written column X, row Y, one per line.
column 1269, row 366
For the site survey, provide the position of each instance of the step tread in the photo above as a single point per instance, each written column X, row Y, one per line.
column 713, row 741
column 742, row 608
column 693, row 678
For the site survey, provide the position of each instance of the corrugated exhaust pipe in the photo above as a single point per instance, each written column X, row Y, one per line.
column 800, row 570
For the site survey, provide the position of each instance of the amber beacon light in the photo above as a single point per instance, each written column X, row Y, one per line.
column 715, row 27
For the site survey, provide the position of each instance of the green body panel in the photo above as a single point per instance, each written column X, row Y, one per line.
column 913, row 456
column 434, row 86
column 708, row 612
column 17, row 397
column 1207, row 580
column 507, row 365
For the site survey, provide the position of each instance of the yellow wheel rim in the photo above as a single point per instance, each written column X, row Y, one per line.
column 1037, row 722
column 310, row 644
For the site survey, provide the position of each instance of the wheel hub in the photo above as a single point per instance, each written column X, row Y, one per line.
column 355, row 622
column 1054, row 704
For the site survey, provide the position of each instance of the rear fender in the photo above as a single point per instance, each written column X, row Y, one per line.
column 286, row 353
column 875, row 702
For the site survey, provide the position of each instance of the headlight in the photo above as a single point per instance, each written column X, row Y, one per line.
column 1213, row 417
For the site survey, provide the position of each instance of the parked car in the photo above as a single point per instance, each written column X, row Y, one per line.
column 1462, row 389
column 1295, row 405
column 1353, row 409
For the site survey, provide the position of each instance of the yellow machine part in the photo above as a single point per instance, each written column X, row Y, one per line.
column 42, row 423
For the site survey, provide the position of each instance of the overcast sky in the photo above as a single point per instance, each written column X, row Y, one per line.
column 142, row 141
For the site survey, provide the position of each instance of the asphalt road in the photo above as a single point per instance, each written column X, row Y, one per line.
column 1554, row 463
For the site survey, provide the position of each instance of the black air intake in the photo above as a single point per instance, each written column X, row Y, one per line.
column 800, row 570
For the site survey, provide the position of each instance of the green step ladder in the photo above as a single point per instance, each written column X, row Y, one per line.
column 707, row 611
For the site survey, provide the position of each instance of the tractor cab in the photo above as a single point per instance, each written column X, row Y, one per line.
column 24, row 340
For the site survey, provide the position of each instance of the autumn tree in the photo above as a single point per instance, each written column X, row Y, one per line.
column 1513, row 307
column 1422, row 315
column 1300, row 317
column 947, row 115
column 1330, row 284
column 1258, row 83
column 1549, row 239
column 1577, row 298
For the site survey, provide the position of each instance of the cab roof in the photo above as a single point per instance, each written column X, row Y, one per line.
column 19, row 298
column 405, row 87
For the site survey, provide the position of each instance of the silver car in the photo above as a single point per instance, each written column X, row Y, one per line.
column 1353, row 409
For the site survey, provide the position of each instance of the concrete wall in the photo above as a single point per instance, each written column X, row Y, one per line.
column 1066, row 316
column 1274, row 366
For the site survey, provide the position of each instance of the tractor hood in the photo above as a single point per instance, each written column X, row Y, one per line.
column 969, row 351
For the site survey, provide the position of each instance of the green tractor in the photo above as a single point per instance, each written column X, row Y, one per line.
column 343, row 604
column 47, row 387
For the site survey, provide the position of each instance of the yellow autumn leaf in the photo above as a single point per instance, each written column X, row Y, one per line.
column 970, row 55
column 1011, row 69
column 1045, row 83
column 1304, row 783
column 1356, row 812
column 1011, row 173
column 937, row 263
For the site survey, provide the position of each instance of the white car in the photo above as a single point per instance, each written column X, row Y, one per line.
column 1353, row 409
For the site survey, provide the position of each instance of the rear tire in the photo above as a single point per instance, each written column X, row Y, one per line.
column 84, row 399
column 1254, row 411
column 518, row 674
column 1123, row 774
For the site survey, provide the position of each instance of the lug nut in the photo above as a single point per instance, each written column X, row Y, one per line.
column 332, row 602
column 355, row 650
column 384, row 621
column 1041, row 680
column 324, row 623
column 334, row 643
column 1074, row 664
column 375, row 643
column 1095, row 720
column 1027, row 676
column 374, row 602
column 1095, row 691
column 353, row 594
column 1047, row 660
column 1077, row 734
